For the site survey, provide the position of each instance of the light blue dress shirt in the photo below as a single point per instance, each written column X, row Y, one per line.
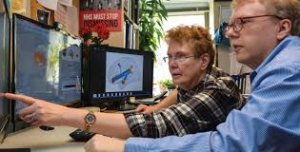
column 270, row 121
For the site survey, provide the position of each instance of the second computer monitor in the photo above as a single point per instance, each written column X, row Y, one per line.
column 116, row 74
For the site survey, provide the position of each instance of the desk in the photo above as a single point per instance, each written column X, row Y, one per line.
column 57, row 140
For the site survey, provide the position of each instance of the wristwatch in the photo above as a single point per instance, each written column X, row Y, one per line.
column 89, row 120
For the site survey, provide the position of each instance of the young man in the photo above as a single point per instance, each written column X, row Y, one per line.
column 264, row 34
column 205, row 96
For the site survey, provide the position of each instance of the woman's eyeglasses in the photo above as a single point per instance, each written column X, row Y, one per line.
column 177, row 59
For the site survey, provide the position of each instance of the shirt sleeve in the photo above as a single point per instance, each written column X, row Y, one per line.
column 268, row 122
column 201, row 113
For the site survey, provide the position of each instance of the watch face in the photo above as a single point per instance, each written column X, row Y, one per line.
column 90, row 118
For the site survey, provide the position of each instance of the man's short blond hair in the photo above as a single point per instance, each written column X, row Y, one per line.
column 286, row 9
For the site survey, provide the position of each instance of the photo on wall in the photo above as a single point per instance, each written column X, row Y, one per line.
column 43, row 16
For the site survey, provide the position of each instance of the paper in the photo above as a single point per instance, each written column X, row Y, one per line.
column 112, row 19
column 72, row 23
column 60, row 15
column 18, row 7
column 68, row 17
column 66, row 2
column 50, row 4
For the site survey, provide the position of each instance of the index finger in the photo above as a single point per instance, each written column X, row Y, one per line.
column 22, row 98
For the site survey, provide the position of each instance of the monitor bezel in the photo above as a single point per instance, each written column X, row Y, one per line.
column 93, row 50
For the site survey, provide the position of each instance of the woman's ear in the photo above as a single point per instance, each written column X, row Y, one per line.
column 205, row 59
column 285, row 27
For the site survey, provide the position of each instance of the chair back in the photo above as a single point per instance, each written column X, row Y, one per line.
column 241, row 81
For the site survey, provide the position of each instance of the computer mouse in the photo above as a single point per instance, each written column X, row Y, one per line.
column 46, row 128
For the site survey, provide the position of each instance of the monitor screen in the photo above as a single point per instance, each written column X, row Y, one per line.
column 118, row 73
column 47, row 63
column 4, row 57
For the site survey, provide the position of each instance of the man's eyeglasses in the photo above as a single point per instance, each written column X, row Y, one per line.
column 177, row 59
column 237, row 24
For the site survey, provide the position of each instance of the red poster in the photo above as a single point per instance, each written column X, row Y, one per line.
column 110, row 18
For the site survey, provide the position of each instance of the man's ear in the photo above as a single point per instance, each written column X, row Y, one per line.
column 285, row 27
column 205, row 59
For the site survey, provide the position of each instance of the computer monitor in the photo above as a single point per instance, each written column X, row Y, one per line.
column 4, row 66
column 115, row 74
column 47, row 63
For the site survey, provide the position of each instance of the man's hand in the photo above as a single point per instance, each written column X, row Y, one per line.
column 38, row 112
column 101, row 143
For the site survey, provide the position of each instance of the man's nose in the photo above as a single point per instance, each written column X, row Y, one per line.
column 230, row 33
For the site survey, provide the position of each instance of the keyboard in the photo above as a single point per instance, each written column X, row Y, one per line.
column 152, row 101
column 15, row 150
column 81, row 135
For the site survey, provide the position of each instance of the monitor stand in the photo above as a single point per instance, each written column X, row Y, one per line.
column 127, row 106
column 120, row 105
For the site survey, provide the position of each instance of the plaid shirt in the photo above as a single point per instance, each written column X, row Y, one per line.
column 197, row 110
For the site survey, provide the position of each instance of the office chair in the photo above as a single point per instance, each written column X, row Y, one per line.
column 241, row 81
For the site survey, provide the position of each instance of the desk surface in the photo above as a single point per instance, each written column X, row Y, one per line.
column 57, row 140
column 44, row 141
